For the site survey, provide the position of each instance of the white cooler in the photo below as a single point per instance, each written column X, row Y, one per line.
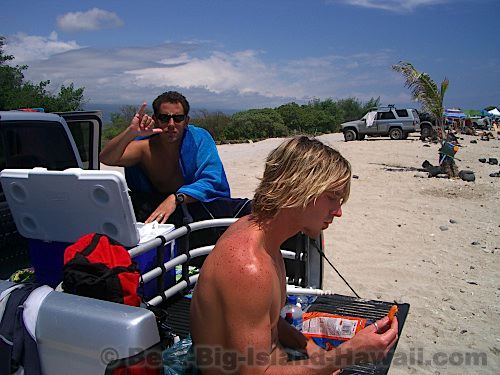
column 55, row 208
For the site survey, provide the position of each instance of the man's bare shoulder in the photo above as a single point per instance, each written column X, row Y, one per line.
column 241, row 248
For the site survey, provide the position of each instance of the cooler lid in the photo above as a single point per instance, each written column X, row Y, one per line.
column 65, row 205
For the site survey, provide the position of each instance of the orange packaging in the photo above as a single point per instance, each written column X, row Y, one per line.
column 329, row 330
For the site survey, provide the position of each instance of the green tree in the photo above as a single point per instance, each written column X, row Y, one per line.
column 17, row 93
column 119, row 122
column 372, row 103
column 256, row 124
column 291, row 114
column 351, row 109
column 213, row 122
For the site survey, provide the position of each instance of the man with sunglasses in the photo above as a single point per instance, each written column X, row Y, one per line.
column 167, row 161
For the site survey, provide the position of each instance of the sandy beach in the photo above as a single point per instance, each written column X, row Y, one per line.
column 431, row 242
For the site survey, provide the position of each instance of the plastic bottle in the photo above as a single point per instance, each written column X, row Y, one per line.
column 303, row 302
column 292, row 313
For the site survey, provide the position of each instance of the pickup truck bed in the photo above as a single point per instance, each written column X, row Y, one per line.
column 14, row 248
column 178, row 311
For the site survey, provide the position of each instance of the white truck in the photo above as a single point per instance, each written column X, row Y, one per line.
column 82, row 335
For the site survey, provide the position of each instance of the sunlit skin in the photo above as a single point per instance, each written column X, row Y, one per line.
column 242, row 289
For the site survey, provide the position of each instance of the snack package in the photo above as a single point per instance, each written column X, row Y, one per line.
column 329, row 330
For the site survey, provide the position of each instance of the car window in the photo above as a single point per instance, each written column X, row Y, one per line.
column 385, row 115
column 26, row 144
column 402, row 112
column 81, row 131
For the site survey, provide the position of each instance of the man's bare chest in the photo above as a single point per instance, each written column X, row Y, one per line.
column 164, row 171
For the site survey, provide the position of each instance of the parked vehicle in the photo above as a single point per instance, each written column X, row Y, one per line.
column 481, row 122
column 73, row 340
column 428, row 127
column 53, row 141
column 82, row 335
column 383, row 121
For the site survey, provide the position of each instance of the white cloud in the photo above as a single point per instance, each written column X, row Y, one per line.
column 239, row 71
column 33, row 47
column 93, row 19
column 392, row 5
column 215, row 78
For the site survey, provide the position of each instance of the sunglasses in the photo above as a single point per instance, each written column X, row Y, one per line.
column 163, row 117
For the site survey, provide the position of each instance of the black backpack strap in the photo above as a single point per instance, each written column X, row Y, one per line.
column 115, row 271
column 11, row 352
column 92, row 245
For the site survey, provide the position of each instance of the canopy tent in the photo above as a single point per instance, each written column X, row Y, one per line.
column 480, row 113
column 494, row 112
column 454, row 113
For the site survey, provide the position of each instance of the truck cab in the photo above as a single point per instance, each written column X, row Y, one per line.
column 56, row 141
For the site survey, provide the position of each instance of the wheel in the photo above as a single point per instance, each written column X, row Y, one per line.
column 349, row 135
column 361, row 137
column 396, row 133
column 426, row 131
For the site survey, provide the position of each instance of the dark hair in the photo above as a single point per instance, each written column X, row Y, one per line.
column 170, row 97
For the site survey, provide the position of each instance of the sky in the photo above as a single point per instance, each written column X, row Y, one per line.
column 237, row 54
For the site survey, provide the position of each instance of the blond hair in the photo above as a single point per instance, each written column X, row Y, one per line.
column 297, row 173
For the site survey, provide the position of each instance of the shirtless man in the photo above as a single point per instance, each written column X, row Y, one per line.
column 178, row 162
column 235, row 310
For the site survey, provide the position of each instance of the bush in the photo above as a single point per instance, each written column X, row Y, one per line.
column 256, row 124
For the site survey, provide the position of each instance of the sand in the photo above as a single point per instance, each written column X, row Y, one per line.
column 431, row 242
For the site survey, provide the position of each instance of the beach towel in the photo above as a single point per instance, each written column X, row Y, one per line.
column 201, row 167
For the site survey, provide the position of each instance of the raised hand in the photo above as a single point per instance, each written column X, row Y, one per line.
column 142, row 123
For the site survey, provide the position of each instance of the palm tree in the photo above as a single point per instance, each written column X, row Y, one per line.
column 425, row 91
column 431, row 97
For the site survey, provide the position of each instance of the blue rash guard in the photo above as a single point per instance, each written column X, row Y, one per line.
column 201, row 168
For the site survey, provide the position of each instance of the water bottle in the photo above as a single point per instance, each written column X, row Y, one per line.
column 303, row 302
column 292, row 313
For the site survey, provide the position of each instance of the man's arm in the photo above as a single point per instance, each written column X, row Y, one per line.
column 167, row 208
column 121, row 151
column 248, row 329
column 290, row 337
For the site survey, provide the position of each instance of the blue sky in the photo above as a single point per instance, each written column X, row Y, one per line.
column 235, row 54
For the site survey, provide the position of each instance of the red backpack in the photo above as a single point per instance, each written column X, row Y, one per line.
column 98, row 267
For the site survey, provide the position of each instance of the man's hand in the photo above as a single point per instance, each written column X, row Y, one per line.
column 313, row 349
column 143, row 124
column 371, row 344
column 163, row 211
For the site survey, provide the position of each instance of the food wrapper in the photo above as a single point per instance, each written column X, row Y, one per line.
column 329, row 330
